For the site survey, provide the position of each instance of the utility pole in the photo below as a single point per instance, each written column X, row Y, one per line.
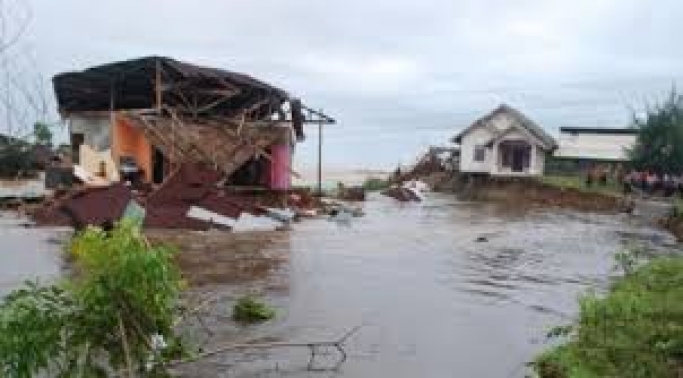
column 320, row 156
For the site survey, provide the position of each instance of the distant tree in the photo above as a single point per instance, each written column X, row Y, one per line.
column 42, row 134
column 659, row 144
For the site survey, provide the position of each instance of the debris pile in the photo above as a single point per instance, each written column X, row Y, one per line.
column 410, row 191
column 191, row 198
column 351, row 193
column 435, row 160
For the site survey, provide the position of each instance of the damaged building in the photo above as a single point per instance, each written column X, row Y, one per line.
column 146, row 117
column 177, row 146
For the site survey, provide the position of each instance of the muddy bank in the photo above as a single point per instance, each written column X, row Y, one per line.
column 674, row 225
column 528, row 193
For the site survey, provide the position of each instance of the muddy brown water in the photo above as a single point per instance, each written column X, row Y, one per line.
column 442, row 288
column 28, row 253
column 433, row 298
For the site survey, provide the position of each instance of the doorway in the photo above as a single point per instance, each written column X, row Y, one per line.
column 159, row 166
column 519, row 155
column 516, row 155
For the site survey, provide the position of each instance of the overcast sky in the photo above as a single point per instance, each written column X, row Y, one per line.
column 397, row 75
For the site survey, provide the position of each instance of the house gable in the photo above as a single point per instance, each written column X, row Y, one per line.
column 504, row 123
column 502, row 118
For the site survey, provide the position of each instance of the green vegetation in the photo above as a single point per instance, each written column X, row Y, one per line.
column 636, row 330
column 251, row 310
column 16, row 160
column 659, row 147
column 579, row 183
column 42, row 133
column 677, row 211
column 115, row 314
column 376, row 183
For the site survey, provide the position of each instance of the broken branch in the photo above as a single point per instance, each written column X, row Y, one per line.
column 312, row 347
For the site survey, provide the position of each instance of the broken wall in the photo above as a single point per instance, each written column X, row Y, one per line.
column 95, row 152
column 129, row 140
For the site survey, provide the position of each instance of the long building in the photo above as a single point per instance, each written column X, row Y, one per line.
column 583, row 147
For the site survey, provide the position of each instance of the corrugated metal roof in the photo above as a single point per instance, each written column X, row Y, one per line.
column 595, row 146
column 131, row 84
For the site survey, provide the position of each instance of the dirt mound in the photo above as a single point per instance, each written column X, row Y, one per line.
column 530, row 192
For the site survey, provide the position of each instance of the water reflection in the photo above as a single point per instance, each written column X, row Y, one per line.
column 27, row 253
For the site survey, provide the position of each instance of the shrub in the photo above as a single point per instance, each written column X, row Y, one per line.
column 659, row 144
column 636, row 330
column 121, row 302
column 251, row 310
column 375, row 184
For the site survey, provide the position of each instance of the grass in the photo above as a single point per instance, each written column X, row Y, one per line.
column 636, row 330
column 579, row 183
column 251, row 310
column 678, row 208
column 375, row 184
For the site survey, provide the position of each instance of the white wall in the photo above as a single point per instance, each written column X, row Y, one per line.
column 476, row 137
column 96, row 148
column 492, row 163
column 594, row 146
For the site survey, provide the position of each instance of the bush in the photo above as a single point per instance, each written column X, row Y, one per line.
column 677, row 210
column 16, row 160
column 250, row 310
column 122, row 301
column 375, row 184
column 659, row 145
column 636, row 330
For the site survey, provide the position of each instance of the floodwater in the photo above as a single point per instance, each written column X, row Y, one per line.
column 441, row 289
column 27, row 253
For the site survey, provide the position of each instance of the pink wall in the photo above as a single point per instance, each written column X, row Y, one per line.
column 280, row 167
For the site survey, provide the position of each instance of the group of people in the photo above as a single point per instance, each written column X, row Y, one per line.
column 651, row 183
column 648, row 182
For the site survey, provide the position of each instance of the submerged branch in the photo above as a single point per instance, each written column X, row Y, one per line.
column 312, row 346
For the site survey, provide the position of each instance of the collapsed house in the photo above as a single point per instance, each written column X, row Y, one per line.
column 190, row 138
column 156, row 113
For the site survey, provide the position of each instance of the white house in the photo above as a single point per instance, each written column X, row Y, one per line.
column 504, row 143
column 595, row 144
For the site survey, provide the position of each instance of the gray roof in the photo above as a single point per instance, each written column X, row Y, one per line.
column 533, row 128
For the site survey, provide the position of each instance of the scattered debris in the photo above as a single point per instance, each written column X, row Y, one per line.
column 410, row 191
column 209, row 216
column 342, row 216
column 352, row 193
column 315, row 348
column 91, row 180
column 23, row 189
column 190, row 198
column 282, row 215
column 96, row 206
column 248, row 222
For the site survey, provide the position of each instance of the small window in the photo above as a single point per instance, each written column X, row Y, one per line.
column 479, row 153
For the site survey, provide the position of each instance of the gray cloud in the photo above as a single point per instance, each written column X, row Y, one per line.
column 398, row 75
